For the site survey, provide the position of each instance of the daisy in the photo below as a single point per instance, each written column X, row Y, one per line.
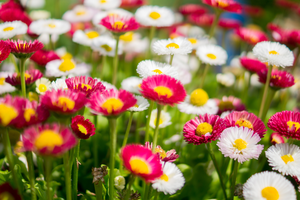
column 203, row 129
column 252, row 65
column 23, row 49
column 132, row 84
column 4, row 86
column 286, row 123
column 11, row 29
column 274, row 53
column 103, row 5
column 114, row 12
column 111, row 102
column 279, row 79
column 85, row 37
column 226, row 79
column 42, row 85
column 108, row 86
column 268, row 186
column 251, row 36
column 12, row 14
column 198, row 103
column 169, row 156
column 212, row 54
column 141, row 104
column 8, row 192
column 204, row 20
column 163, row 89
column 50, row 26
column 106, row 45
column 132, row 3
column 228, row 23
column 240, row 143
column 133, row 44
column 48, row 139
column 79, row 13
column 155, row 16
column 171, row 180
column 230, row 103
column 59, row 83
column 226, row 5
column 33, row 4
column 30, row 77
column 4, row 50
column 42, row 57
column 276, row 138
column 188, row 9
column 142, row 162
column 172, row 46
column 82, row 128
column 164, row 120
column 246, row 119
column 119, row 24
column 149, row 67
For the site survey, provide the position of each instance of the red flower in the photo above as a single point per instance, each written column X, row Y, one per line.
column 276, row 138
column 30, row 77
column 188, row 9
column 227, row 23
column 253, row 11
column 230, row 103
column 23, row 49
column 202, row 20
column 227, row 5
column 82, row 128
column 4, row 50
column 279, row 79
column 282, row 36
column 253, row 65
column 10, row 4
column 13, row 14
column 7, row 192
column 132, row 3
column 119, row 24
column 251, row 36
column 42, row 57
column 169, row 156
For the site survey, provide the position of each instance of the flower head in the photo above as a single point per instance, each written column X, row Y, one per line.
column 188, row 9
column 65, row 67
column 5, row 87
column 281, row 35
column 230, row 103
column 169, row 156
column 132, row 84
column 119, row 24
column 42, row 57
column 4, row 50
column 252, row 65
column 82, row 128
column 79, row 13
column 141, row 104
column 276, row 138
column 106, row 45
column 148, row 68
column 142, row 162
column 103, row 5
column 227, row 23
column 202, row 20
column 11, row 29
column 42, row 85
column 30, row 77
column 50, row 26
column 163, row 89
column 7, row 192
column 164, row 120
column 15, row 14
column 251, row 36
column 119, row 182
column 132, row 3
column 226, row 5
column 85, row 37
column 23, row 49
column 212, row 54
column 279, row 79
column 48, row 139
column 227, row 79
column 172, row 46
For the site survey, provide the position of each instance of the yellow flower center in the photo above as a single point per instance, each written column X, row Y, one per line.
column 6, row 196
column 88, row 87
column 211, row 56
column 270, row 193
column 27, row 76
column 226, row 105
column 136, row 105
column 287, row 158
column 192, row 40
column 112, row 104
column 102, row 1
column 82, row 129
column 2, row 81
column 245, row 123
column 273, row 52
column 118, row 25
column 10, row 28
column 204, row 128
column 157, row 71
column 240, row 144
column 154, row 15
column 42, row 87
column 127, row 37
column 199, row 97
column 92, row 34
column 163, row 91
column 66, row 65
column 67, row 56
column 295, row 124
column 173, row 45
column 7, row 113
column 65, row 103
column 28, row 113
column 139, row 166
column 48, row 139
column 106, row 47
column 79, row 13
column 222, row 4
column 161, row 152
column 164, row 177
column 51, row 25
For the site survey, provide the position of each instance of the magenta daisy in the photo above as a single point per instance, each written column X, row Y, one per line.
column 64, row 102
column 227, row 23
column 246, row 119
column 23, row 49
column 42, row 57
column 251, row 36
column 226, row 5
column 163, row 89
column 169, row 156
column 111, row 102
column 118, row 24
column 252, row 65
column 276, row 138
column 279, row 79
column 188, row 9
column 286, row 123
column 82, row 128
column 230, row 103
column 4, row 50
column 48, row 139
column 142, row 162
column 203, row 129
column 30, row 77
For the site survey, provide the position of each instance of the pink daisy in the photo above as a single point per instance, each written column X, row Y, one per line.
column 142, row 162
column 276, row 138
column 227, row 23
column 82, row 128
column 253, row 65
column 22, row 49
column 203, row 129
column 169, row 156
column 132, row 3
column 42, row 57
column 282, row 36
column 279, row 79
column 111, row 102
column 251, row 36
column 246, row 119
column 188, row 9
column 226, row 5
column 4, row 50
column 30, row 77
column 286, row 123
column 202, row 20
column 15, row 14
column 163, row 89
column 230, row 103
column 118, row 24
column 64, row 102
column 48, row 139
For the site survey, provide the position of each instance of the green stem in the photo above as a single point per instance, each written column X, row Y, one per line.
column 212, row 155
column 98, row 189
column 138, row 124
column 48, row 165
column 148, row 121
column 75, row 170
column 296, row 60
column 146, row 190
column 67, row 176
column 116, row 62
column 113, row 145
column 102, row 66
column 159, row 108
column 214, row 25
column 13, row 60
column 95, row 142
column 151, row 36
column 40, row 165
column 246, row 88
column 156, row 195
column 50, row 43
column 262, row 105
column 270, row 96
column 128, row 191
column 31, row 174
column 171, row 59
column 204, row 75
column 22, row 75
column 128, row 129
column 234, row 175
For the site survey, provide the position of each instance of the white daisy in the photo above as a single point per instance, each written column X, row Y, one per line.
column 44, row 38
column 268, row 186
column 172, row 46
column 63, row 53
column 11, row 29
column 50, row 26
column 155, row 16
column 141, row 104
column 190, row 31
column 59, row 83
column 274, row 53
column 33, row 4
column 103, row 4
column 5, row 87
column 198, row 103
column 42, row 85
column 149, row 68
column 79, row 13
column 132, row 84
column 171, row 180
column 58, row 68
column 39, row 14
column 226, row 79
column 240, row 143
column 212, row 54
column 85, row 37
column 284, row 158
column 106, row 46
column 133, row 43
column 165, row 119
column 118, row 12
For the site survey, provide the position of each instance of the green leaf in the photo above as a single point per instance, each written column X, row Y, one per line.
column 187, row 171
column 4, row 176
